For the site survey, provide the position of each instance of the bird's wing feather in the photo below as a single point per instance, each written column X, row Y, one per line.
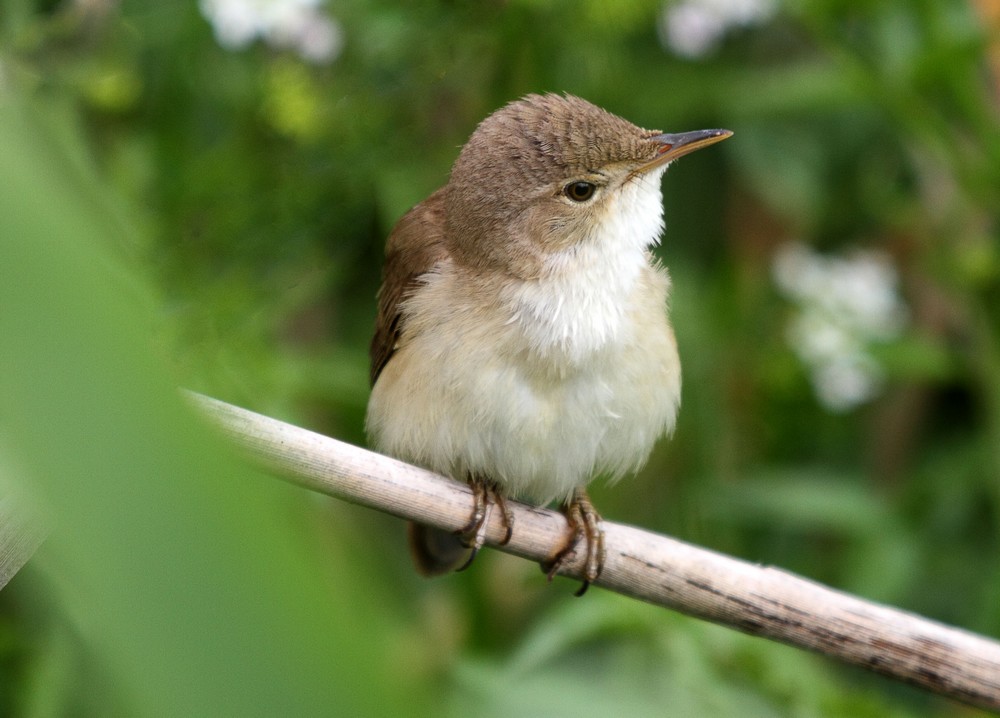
column 414, row 247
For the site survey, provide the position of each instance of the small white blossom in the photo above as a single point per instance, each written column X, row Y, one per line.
column 299, row 25
column 847, row 381
column 844, row 306
column 693, row 28
column 234, row 22
column 321, row 41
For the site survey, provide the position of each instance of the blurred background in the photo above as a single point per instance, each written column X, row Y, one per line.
column 238, row 165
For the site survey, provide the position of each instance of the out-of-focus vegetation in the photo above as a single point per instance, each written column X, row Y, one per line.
column 183, row 203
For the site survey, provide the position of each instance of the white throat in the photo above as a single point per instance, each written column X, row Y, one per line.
column 580, row 304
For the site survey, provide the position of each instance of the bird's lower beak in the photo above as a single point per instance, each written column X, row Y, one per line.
column 677, row 145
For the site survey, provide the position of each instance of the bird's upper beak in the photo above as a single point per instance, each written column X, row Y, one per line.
column 672, row 146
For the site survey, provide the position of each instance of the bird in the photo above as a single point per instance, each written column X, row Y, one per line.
column 522, row 340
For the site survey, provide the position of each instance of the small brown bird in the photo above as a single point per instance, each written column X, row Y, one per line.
column 522, row 342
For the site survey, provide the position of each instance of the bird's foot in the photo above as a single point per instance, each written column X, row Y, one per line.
column 584, row 523
column 485, row 496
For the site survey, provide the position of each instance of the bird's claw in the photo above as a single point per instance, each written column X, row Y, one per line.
column 485, row 496
column 584, row 523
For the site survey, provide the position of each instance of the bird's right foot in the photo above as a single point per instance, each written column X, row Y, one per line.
column 485, row 495
column 584, row 525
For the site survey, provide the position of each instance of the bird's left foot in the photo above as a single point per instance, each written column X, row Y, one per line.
column 485, row 496
column 584, row 523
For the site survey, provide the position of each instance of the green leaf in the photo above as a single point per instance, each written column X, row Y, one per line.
column 175, row 564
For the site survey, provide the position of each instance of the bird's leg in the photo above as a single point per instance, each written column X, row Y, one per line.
column 485, row 496
column 584, row 523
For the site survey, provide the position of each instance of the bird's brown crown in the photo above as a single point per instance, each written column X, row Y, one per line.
column 551, row 135
column 523, row 154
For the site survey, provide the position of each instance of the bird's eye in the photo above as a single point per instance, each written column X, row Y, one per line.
column 580, row 191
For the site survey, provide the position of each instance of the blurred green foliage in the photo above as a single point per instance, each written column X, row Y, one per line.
column 175, row 212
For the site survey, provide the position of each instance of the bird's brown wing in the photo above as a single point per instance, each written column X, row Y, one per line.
column 415, row 245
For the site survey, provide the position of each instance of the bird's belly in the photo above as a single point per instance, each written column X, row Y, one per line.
column 537, row 434
column 544, row 438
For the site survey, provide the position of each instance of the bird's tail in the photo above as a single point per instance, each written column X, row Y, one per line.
column 435, row 551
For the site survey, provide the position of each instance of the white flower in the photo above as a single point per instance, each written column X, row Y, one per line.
column 300, row 25
column 235, row 22
column 844, row 306
column 693, row 28
column 321, row 41
column 847, row 381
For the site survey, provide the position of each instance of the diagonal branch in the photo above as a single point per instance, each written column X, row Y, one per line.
column 758, row 600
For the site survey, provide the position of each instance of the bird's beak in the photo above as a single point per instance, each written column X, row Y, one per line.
column 672, row 146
